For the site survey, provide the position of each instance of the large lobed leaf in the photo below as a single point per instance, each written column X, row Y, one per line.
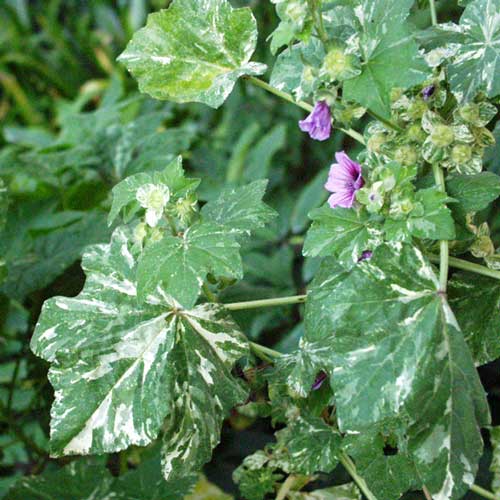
column 396, row 353
column 193, row 51
column 120, row 367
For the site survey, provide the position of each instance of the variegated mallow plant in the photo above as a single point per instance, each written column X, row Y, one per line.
column 405, row 302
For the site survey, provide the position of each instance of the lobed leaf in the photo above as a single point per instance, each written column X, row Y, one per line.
column 193, row 51
column 396, row 353
column 120, row 367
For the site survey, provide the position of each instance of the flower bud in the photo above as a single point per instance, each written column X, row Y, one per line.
column 406, row 155
column 338, row 65
column 461, row 153
column 469, row 113
column 376, row 141
column 140, row 233
column 442, row 136
column 415, row 133
column 296, row 11
column 417, row 109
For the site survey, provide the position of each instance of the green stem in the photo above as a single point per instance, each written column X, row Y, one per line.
column 465, row 265
column 444, row 261
column 301, row 104
column 483, row 493
column 432, row 5
column 426, row 493
column 209, row 294
column 265, row 353
column 383, row 120
column 318, row 16
column 286, row 487
column 254, row 304
column 351, row 469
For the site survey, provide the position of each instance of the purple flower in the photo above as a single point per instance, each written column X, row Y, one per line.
column 344, row 180
column 428, row 92
column 319, row 123
column 366, row 255
column 320, row 378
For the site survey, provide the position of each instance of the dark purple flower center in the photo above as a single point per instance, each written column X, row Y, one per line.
column 320, row 378
column 428, row 92
column 366, row 255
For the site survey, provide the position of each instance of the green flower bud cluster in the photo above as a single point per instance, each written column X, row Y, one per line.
column 390, row 192
column 457, row 141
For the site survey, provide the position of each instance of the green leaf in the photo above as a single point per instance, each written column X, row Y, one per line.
column 495, row 463
column 389, row 474
column 390, row 55
column 133, row 364
column 205, row 490
column 474, row 192
column 79, row 480
column 436, row 223
column 193, row 51
column 254, row 479
column 293, row 70
column 3, row 204
column 345, row 492
column 240, row 210
column 125, row 192
column 396, row 353
column 342, row 233
column 474, row 67
column 39, row 245
column 179, row 264
column 476, row 302
column 307, row 446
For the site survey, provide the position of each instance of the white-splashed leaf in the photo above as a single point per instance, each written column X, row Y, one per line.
column 342, row 233
column 307, row 446
column 396, row 352
column 125, row 192
column 241, row 210
column 389, row 52
column 179, row 264
column 193, row 51
column 209, row 343
column 476, row 302
column 115, row 362
column 294, row 69
column 475, row 67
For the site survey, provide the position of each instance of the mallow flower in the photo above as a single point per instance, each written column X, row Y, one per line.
column 154, row 198
column 344, row 180
column 319, row 123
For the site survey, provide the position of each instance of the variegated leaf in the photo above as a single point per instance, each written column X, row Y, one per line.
column 193, row 51
column 397, row 353
column 115, row 362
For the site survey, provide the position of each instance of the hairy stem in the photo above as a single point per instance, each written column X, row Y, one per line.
column 254, row 304
column 444, row 260
column 432, row 5
column 465, row 265
column 483, row 493
column 301, row 104
column 351, row 469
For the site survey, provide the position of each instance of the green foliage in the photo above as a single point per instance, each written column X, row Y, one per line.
column 193, row 51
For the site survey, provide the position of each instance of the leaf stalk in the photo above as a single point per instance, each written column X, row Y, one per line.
column 254, row 304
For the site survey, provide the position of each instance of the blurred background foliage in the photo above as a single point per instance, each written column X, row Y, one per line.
column 71, row 126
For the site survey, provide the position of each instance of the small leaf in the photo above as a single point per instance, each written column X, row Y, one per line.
column 240, row 210
column 390, row 55
column 307, row 446
column 342, row 233
column 193, row 51
column 125, row 192
column 474, row 192
column 436, row 223
column 179, row 264
column 476, row 302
